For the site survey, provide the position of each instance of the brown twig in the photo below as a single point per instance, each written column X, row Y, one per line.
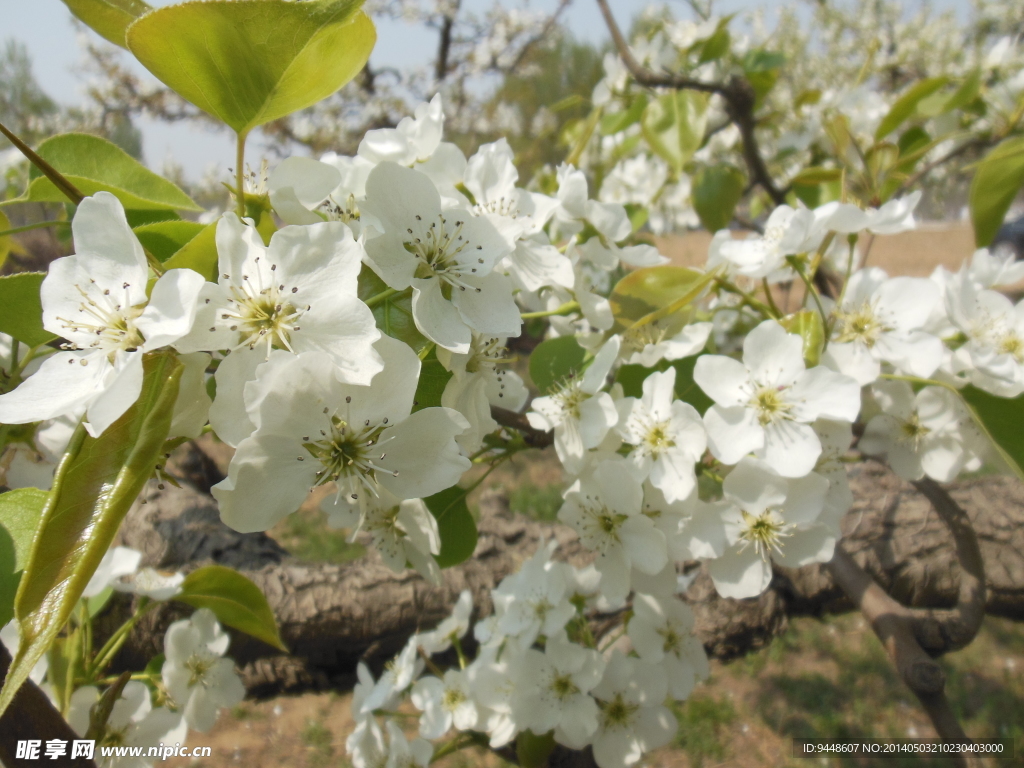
column 517, row 421
column 929, row 167
column 912, row 636
column 738, row 94
column 444, row 44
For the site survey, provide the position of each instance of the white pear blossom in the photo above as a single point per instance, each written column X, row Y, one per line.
column 199, row 679
column 917, row 434
column 401, row 530
column 32, row 466
column 403, row 753
column 496, row 678
column 993, row 356
column 413, row 140
column 481, row 378
column 632, row 719
column 788, row 231
column 767, row 403
column 576, row 209
column 313, row 430
column 398, row 675
column 117, row 562
column 451, row 629
column 97, row 301
column 667, row 436
column 365, row 745
column 555, row 687
column 151, row 583
column 447, row 256
column 578, row 412
column 835, row 437
column 660, row 340
column 534, row 600
column 300, row 185
column 661, row 631
column 881, row 319
column 770, row 518
column 133, row 722
column 298, row 294
column 444, row 703
column 604, row 508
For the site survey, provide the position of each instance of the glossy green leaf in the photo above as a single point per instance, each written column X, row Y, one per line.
column 198, row 254
column 22, row 315
column 393, row 314
column 433, row 379
column 532, row 751
column 19, row 517
column 20, row 511
column 1001, row 419
column 235, row 601
column 996, row 183
column 631, row 377
column 455, row 524
column 554, row 360
column 94, row 164
column 95, row 484
column 659, row 291
column 906, row 105
column 165, row 238
column 674, row 125
column 716, row 191
column 252, row 61
column 808, row 326
column 109, row 18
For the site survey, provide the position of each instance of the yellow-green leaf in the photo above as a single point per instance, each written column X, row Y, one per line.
column 19, row 517
column 996, row 183
column 648, row 294
column 234, row 599
column 22, row 315
column 109, row 18
column 252, row 61
column 165, row 238
column 716, row 191
column 94, row 164
column 906, row 105
column 198, row 254
column 95, row 483
column 555, row 359
column 674, row 125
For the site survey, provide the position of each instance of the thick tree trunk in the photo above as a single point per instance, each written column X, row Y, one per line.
column 331, row 616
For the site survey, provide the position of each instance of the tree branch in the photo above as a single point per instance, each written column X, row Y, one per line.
column 517, row 421
column 444, row 44
column 738, row 94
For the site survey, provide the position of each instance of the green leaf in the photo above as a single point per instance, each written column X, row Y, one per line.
column 996, row 182
column 1001, row 419
column 716, row 191
column 966, row 93
column 455, row 524
column 198, row 254
column 532, row 751
column 20, row 511
column 620, row 121
column 816, row 175
column 808, row 326
column 715, row 46
column 110, row 18
column 94, row 164
column 22, row 316
column 235, row 601
column 674, row 125
column 433, row 379
column 655, row 289
column 631, row 377
column 19, row 517
column 393, row 314
column 165, row 238
column 97, row 603
column 554, row 360
column 95, row 484
column 906, row 105
column 252, row 61
column 5, row 241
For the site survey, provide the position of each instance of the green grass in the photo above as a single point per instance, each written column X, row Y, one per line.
column 317, row 737
column 701, row 727
column 536, row 502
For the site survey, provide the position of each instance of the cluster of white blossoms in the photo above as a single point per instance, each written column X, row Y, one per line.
column 725, row 443
column 195, row 681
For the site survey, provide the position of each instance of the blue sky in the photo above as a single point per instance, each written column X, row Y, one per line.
column 46, row 28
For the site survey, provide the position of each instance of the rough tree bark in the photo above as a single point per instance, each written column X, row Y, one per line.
column 332, row 616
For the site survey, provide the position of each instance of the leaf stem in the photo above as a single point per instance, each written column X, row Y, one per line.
column 768, row 296
column 568, row 308
column 37, row 225
column 373, row 301
column 753, row 303
column 794, row 262
column 115, row 641
column 240, row 173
